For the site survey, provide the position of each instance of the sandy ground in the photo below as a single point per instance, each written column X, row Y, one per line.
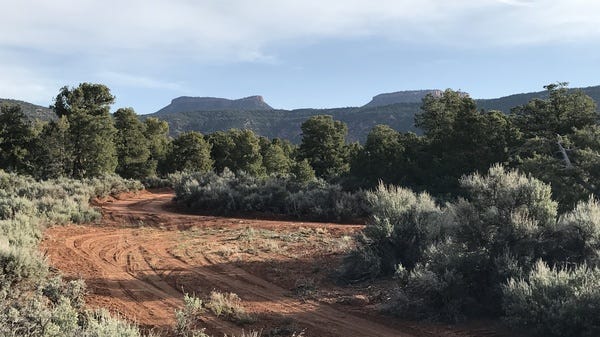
column 144, row 254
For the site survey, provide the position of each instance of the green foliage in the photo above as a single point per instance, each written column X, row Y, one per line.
column 187, row 318
column 101, row 324
column 380, row 158
column 15, row 139
column 555, row 302
column 133, row 148
column 190, row 152
column 302, row 172
column 19, row 267
column 561, row 144
column 461, row 139
column 452, row 262
column 401, row 225
column 229, row 193
column 237, row 150
column 221, row 147
column 324, row 146
column 560, row 113
column 157, row 135
column 275, row 159
column 31, row 303
column 229, row 305
column 94, row 99
column 576, row 237
column 53, row 152
column 91, row 128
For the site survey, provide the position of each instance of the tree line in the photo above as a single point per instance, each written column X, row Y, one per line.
column 557, row 140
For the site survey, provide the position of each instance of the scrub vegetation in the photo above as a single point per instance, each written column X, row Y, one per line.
column 483, row 215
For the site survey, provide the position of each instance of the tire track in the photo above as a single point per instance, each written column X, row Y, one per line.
column 135, row 272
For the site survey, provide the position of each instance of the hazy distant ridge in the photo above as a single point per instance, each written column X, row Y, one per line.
column 396, row 109
column 409, row 96
column 209, row 114
column 186, row 103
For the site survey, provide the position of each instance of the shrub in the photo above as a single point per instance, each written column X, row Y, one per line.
column 452, row 262
column 228, row 193
column 102, row 324
column 20, row 267
column 361, row 264
column 230, row 306
column 187, row 318
column 555, row 301
column 31, row 304
column 577, row 235
column 402, row 224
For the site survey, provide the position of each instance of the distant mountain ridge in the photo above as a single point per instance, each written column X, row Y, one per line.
column 186, row 103
column 32, row 111
column 396, row 109
column 407, row 96
column 210, row 114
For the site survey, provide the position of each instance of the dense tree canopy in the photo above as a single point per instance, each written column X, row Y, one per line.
column 132, row 146
column 462, row 139
column 324, row 146
column 53, row 151
column 157, row 136
column 15, row 138
column 190, row 152
column 237, row 150
column 91, row 128
column 561, row 143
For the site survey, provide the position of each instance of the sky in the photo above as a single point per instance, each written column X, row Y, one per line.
column 296, row 54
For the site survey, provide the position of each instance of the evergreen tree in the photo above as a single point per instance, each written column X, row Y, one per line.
column 246, row 155
column 379, row 159
column 324, row 146
column 302, row 171
column 221, row 149
column 157, row 136
column 132, row 146
column 52, row 153
column 461, row 139
column 91, row 128
column 275, row 160
column 16, row 135
column 562, row 143
column 190, row 152
column 238, row 150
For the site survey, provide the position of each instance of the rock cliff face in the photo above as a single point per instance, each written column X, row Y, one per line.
column 412, row 96
column 184, row 103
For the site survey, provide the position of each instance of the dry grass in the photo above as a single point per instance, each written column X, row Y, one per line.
column 229, row 305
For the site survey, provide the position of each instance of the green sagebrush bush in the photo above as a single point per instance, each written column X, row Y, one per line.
column 400, row 226
column 31, row 303
column 555, row 302
column 228, row 192
column 576, row 237
column 498, row 231
column 19, row 266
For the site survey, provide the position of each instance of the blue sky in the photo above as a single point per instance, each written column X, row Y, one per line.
column 295, row 54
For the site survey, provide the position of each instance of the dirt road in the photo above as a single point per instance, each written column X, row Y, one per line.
column 141, row 258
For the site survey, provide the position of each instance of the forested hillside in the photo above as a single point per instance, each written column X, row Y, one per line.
column 286, row 123
column 399, row 114
column 32, row 111
column 209, row 114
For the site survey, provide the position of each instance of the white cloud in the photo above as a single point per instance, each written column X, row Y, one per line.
column 24, row 84
column 131, row 80
column 119, row 39
column 236, row 29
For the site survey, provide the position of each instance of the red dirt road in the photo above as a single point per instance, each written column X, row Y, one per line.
column 140, row 260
